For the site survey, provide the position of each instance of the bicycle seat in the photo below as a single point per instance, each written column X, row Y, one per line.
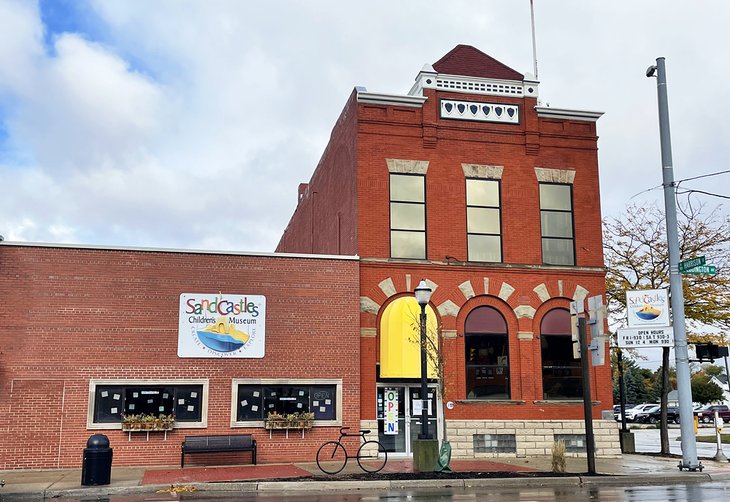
column 365, row 431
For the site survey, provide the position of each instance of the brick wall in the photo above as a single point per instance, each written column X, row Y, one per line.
column 396, row 132
column 324, row 221
column 69, row 315
column 520, row 287
column 512, row 291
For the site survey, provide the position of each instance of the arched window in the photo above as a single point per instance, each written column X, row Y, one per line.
column 561, row 373
column 487, row 355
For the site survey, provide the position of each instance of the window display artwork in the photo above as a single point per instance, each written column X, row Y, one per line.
column 282, row 399
column 182, row 402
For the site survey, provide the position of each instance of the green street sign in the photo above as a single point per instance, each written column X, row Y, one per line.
column 702, row 269
column 685, row 265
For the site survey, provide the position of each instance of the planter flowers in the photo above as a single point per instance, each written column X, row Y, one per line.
column 303, row 420
column 148, row 422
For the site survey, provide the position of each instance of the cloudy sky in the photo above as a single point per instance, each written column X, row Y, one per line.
column 189, row 124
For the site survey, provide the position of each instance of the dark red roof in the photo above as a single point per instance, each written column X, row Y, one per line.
column 469, row 61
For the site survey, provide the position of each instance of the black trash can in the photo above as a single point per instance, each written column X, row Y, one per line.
column 97, row 465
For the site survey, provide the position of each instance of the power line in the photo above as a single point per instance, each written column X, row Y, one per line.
column 678, row 182
column 691, row 191
column 703, row 176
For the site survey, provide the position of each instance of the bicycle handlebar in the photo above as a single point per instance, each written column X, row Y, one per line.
column 361, row 433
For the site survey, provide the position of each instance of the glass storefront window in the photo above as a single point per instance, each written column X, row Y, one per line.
column 256, row 401
column 111, row 401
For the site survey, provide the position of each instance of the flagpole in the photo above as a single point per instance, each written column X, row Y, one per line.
column 534, row 44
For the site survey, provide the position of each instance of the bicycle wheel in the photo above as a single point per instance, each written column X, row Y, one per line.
column 371, row 456
column 331, row 457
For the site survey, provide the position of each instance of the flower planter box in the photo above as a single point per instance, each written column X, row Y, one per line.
column 142, row 426
column 294, row 421
column 148, row 423
column 275, row 424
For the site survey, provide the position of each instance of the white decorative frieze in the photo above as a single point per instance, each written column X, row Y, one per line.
column 580, row 293
column 406, row 166
column 481, row 171
column 368, row 306
column 467, row 290
column 387, row 287
column 506, row 291
column 480, row 112
column 448, row 333
column 546, row 175
column 524, row 311
column 484, row 86
column 542, row 292
column 448, row 308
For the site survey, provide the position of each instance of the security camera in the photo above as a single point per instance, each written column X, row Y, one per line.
column 651, row 71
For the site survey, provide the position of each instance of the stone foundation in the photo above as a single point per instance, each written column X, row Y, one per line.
column 532, row 437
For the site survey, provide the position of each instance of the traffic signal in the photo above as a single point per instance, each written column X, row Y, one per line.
column 710, row 351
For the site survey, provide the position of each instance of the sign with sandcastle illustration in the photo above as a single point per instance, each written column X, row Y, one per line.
column 218, row 325
column 649, row 307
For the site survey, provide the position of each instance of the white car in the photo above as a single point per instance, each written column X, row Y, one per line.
column 640, row 408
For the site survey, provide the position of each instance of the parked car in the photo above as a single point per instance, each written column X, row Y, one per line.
column 707, row 414
column 631, row 414
column 642, row 417
column 617, row 410
column 653, row 416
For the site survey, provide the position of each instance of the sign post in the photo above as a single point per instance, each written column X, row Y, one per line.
column 577, row 310
column 701, row 269
column 685, row 265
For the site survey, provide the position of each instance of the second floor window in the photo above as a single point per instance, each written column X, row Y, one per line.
column 483, row 226
column 407, row 216
column 556, row 223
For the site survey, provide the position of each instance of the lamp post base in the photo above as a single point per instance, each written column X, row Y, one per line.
column 425, row 454
column 626, row 438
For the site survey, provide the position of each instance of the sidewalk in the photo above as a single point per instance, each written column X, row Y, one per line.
column 630, row 469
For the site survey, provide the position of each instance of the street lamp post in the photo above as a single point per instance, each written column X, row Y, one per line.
column 423, row 296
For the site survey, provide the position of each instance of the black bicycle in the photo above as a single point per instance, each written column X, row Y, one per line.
column 332, row 455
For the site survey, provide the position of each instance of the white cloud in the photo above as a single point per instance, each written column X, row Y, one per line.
column 84, row 108
column 173, row 115
column 20, row 45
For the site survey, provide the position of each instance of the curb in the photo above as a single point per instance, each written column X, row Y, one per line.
column 329, row 486
column 644, row 479
column 294, row 486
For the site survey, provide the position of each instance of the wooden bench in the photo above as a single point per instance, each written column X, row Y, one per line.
column 215, row 444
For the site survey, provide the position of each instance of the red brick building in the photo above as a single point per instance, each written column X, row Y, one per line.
column 469, row 183
column 91, row 333
column 465, row 182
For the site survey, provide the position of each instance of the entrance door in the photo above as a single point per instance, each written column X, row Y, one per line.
column 399, row 416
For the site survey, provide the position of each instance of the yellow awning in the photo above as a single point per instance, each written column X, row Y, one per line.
column 400, row 349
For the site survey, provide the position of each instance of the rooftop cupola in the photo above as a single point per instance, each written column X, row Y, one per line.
column 467, row 69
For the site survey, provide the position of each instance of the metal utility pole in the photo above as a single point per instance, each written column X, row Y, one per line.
column 621, row 391
column 686, row 417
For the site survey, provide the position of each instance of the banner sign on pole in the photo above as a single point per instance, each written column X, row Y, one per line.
column 647, row 308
